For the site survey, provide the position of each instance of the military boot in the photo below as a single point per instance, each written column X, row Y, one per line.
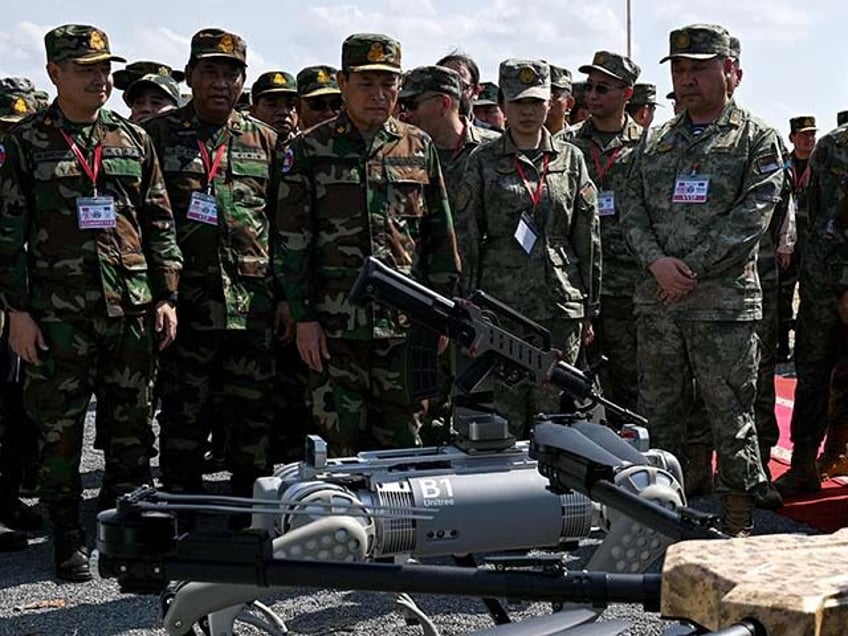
column 698, row 473
column 70, row 554
column 737, row 514
column 834, row 460
column 803, row 474
column 767, row 497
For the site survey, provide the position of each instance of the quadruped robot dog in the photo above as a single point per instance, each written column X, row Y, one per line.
column 324, row 522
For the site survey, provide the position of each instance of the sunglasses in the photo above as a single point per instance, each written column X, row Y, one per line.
column 601, row 89
column 319, row 103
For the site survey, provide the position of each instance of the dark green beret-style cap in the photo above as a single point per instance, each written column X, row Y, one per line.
column 78, row 43
column 371, row 52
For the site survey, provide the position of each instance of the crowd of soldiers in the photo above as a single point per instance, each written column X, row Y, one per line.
column 199, row 257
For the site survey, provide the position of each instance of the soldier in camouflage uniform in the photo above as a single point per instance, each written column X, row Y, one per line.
column 820, row 333
column 643, row 105
column 561, row 100
column 18, row 435
column 88, row 249
column 532, row 239
column 700, row 195
column 318, row 95
column 273, row 99
column 608, row 139
column 149, row 88
column 363, row 184
column 487, row 111
column 218, row 166
column 579, row 112
column 802, row 135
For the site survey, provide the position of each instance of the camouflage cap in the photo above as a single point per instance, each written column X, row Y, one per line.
column 313, row 81
column 370, row 52
column 524, row 78
column 488, row 96
column 436, row 79
column 17, row 99
column 164, row 83
column 735, row 48
column 42, row 99
column 78, row 43
column 698, row 42
column 841, row 117
column 560, row 77
column 273, row 82
column 644, row 94
column 208, row 43
column 616, row 66
column 136, row 70
column 802, row 124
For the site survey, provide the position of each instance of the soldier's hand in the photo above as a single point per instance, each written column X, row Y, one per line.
column 674, row 277
column 588, row 332
column 25, row 337
column 312, row 345
column 165, row 323
column 444, row 341
column 282, row 317
column 842, row 308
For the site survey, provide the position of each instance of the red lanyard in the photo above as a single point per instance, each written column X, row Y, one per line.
column 536, row 196
column 805, row 176
column 91, row 171
column 211, row 170
column 603, row 170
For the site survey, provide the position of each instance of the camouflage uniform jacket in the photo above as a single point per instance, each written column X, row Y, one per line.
column 827, row 205
column 48, row 265
column 608, row 167
column 717, row 239
column 454, row 161
column 226, row 281
column 561, row 276
column 341, row 201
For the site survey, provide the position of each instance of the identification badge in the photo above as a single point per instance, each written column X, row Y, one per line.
column 526, row 233
column 691, row 189
column 96, row 213
column 203, row 208
column 606, row 203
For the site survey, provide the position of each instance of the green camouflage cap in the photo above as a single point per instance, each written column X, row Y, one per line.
column 644, row 94
column 42, row 99
column 699, row 42
column 488, row 96
column 208, row 43
column 437, row 79
column 841, row 117
column 136, row 70
column 524, row 78
column 560, row 77
column 273, row 82
column 313, row 81
column 616, row 66
column 370, row 52
column 735, row 48
column 802, row 124
column 164, row 83
column 17, row 99
column 78, row 43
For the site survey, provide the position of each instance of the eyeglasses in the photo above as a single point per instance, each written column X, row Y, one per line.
column 411, row 104
column 320, row 104
column 600, row 89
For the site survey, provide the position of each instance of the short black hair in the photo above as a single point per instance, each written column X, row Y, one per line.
column 465, row 60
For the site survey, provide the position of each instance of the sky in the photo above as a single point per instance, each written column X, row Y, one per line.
column 786, row 44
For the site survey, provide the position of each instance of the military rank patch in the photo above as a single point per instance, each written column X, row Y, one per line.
column 2, row 155
column 767, row 163
column 588, row 191
column 288, row 161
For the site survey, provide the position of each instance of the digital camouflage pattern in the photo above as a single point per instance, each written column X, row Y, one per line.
column 614, row 65
column 718, row 583
column 438, row 79
column 66, row 272
column 644, row 94
column 699, row 42
column 122, row 78
column 518, row 79
column 371, row 52
column 313, row 81
column 78, row 43
column 560, row 78
column 226, row 281
column 17, row 100
column 341, row 201
column 718, row 239
column 208, row 43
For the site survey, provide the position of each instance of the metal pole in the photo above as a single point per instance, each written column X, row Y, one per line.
column 629, row 30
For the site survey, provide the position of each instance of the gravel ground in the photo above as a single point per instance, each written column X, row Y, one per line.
column 33, row 602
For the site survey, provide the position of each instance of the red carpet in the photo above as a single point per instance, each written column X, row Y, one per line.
column 827, row 510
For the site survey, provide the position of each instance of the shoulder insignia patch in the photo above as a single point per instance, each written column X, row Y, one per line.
column 288, row 161
column 588, row 191
column 767, row 163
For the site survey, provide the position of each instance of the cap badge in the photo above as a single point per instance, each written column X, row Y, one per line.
column 376, row 53
column 226, row 44
column 808, row 122
column 279, row 79
column 322, row 77
column 601, row 58
column 97, row 41
column 527, row 76
column 163, row 70
column 682, row 40
column 20, row 106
